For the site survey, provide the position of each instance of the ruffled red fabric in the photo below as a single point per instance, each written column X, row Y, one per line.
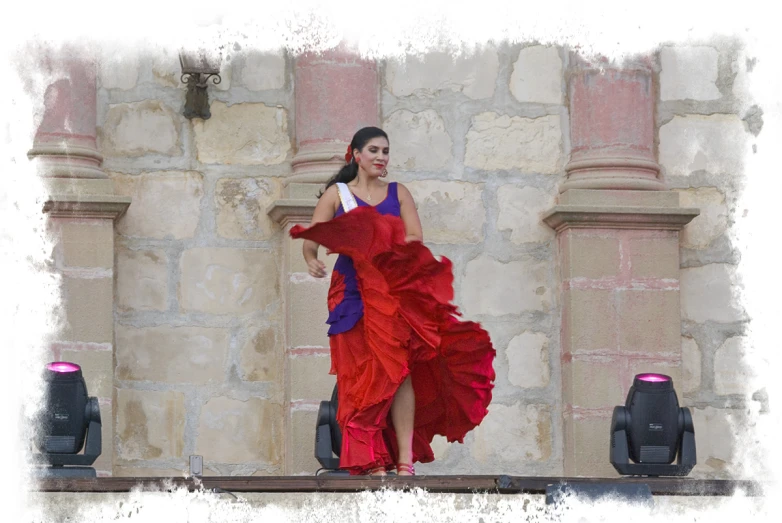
column 336, row 291
column 409, row 327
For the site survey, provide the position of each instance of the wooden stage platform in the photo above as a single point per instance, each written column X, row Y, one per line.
column 500, row 484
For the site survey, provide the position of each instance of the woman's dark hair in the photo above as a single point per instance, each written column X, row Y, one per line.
column 349, row 172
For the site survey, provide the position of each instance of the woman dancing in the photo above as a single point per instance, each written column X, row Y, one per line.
column 406, row 368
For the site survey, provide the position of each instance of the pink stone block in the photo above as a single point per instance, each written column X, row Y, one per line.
column 589, row 319
column 649, row 321
column 593, row 382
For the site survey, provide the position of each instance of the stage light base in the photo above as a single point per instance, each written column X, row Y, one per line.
column 64, row 472
column 338, row 473
column 652, row 470
column 92, row 449
column 620, row 453
column 328, row 437
column 323, row 452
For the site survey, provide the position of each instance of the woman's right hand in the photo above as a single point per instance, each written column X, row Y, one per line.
column 324, row 211
column 317, row 268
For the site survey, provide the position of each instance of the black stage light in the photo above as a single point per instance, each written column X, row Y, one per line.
column 328, row 436
column 652, row 431
column 67, row 416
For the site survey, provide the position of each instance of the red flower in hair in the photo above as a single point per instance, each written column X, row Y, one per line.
column 349, row 155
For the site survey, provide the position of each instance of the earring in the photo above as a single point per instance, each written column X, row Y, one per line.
column 385, row 173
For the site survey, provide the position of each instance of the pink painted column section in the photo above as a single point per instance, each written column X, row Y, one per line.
column 65, row 143
column 612, row 127
column 337, row 93
column 618, row 246
column 81, row 207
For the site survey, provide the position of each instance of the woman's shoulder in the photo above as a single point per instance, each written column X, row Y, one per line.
column 331, row 192
column 401, row 190
column 330, row 197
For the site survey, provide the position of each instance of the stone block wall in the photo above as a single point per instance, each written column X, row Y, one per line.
column 83, row 256
column 207, row 289
column 706, row 123
column 481, row 141
column 198, row 310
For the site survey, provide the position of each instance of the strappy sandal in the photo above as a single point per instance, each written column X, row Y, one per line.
column 376, row 471
column 404, row 467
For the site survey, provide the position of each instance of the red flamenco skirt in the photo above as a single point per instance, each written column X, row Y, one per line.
column 408, row 328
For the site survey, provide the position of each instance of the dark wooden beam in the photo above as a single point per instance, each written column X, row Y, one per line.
column 440, row 484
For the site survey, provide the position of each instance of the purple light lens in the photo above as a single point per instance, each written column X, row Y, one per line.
column 655, row 378
column 63, row 366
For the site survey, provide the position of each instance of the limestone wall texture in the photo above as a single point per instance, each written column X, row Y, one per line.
column 481, row 141
column 198, row 365
column 706, row 123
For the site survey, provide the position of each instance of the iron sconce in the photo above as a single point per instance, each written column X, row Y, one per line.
column 197, row 69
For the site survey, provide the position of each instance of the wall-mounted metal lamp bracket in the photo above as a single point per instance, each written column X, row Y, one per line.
column 196, row 72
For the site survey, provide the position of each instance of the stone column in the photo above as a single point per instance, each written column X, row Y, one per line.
column 82, row 207
column 612, row 127
column 336, row 94
column 617, row 229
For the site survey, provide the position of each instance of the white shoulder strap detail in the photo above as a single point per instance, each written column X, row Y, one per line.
column 347, row 198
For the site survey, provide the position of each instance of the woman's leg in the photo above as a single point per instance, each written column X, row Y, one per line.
column 403, row 418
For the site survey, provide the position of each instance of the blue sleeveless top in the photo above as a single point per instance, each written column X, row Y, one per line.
column 345, row 305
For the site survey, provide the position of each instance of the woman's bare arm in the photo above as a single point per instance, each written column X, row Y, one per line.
column 324, row 211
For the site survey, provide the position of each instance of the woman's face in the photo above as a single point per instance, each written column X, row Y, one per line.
column 373, row 158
